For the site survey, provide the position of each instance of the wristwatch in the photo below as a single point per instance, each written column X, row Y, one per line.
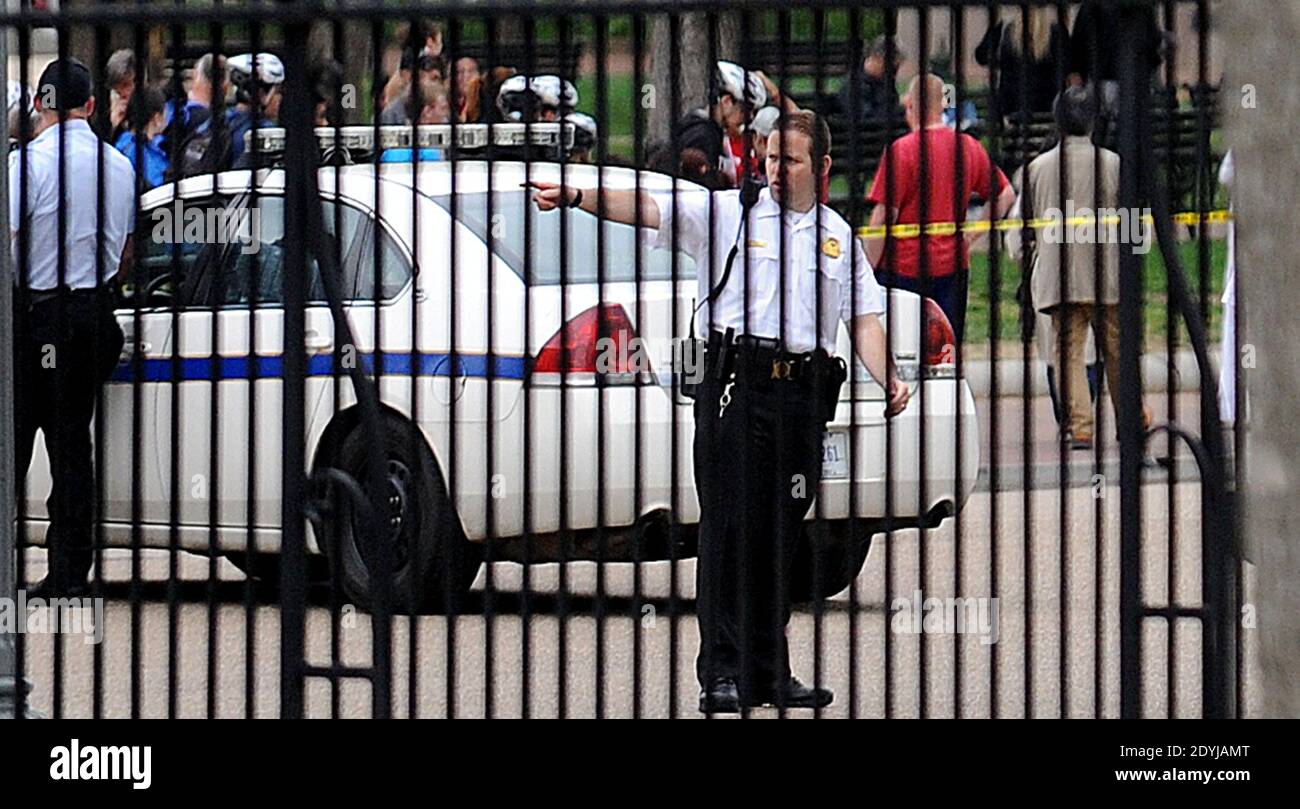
column 577, row 200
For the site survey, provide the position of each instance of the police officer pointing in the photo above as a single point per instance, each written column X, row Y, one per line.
column 66, row 341
column 769, row 387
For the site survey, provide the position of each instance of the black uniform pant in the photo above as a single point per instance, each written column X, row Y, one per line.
column 65, row 348
column 757, row 469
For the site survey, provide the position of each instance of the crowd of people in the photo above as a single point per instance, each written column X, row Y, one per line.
column 197, row 122
column 175, row 129
column 172, row 130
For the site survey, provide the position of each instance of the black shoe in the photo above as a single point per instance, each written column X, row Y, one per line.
column 795, row 695
column 720, row 697
column 48, row 588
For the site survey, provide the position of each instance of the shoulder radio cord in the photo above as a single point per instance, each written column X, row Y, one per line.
column 750, row 188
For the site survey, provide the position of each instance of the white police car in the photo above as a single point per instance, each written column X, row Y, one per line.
column 549, row 423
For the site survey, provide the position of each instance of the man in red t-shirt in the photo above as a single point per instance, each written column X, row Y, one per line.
column 947, row 257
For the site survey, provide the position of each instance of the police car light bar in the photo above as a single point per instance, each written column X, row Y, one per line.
column 271, row 140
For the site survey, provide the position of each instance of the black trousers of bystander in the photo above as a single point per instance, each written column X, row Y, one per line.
column 65, row 347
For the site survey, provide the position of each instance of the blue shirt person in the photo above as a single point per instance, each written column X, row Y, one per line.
column 152, row 155
column 147, row 120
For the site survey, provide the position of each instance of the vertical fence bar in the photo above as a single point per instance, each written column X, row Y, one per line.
column 180, row 111
column 218, row 120
column 330, row 541
column 925, row 277
column 1170, row 111
column 102, row 106
column 490, row 510
column 818, row 530
column 957, row 18
column 1065, row 193
column 300, row 180
column 638, row 139
column 60, row 413
column 139, row 282
column 1133, row 93
column 675, row 534
column 889, row 281
column 1101, row 121
column 1026, row 414
column 453, row 38
column 995, row 310
column 1238, row 394
column 778, row 583
column 415, row 45
column 23, row 280
column 526, row 600
column 251, row 598
column 13, row 685
column 1217, row 527
column 378, row 25
column 562, row 653
column 857, row 181
column 383, row 597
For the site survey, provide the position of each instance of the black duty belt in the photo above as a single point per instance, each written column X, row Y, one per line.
column 760, row 358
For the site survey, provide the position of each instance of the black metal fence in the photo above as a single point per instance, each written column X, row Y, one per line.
column 387, row 436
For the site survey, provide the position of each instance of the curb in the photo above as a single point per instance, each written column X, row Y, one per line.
column 1155, row 374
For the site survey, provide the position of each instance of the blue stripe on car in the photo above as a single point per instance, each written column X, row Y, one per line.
column 201, row 369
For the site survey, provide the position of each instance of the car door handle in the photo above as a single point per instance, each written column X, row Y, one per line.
column 316, row 340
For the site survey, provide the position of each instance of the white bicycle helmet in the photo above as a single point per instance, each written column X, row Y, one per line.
column 519, row 94
column 584, row 131
column 270, row 70
column 765, row 120
column 731, row 79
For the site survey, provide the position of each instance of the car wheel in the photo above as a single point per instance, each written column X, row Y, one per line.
column 433, row 565
column 826, row 561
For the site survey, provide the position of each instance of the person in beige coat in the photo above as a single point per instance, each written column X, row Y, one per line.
column 1073, row 298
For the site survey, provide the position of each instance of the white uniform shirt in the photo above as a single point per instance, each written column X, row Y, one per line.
column 821, row 255
column 83, row 224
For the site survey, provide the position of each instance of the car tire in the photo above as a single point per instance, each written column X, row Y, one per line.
column 433, row 564
column 828, row 559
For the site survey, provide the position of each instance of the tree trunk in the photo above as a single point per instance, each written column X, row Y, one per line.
column 693, row 68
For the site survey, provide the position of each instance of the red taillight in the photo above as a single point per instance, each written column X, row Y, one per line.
column 939, row 343
column 600, row 340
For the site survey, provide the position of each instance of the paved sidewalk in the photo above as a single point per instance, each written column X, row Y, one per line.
column 1041, row 454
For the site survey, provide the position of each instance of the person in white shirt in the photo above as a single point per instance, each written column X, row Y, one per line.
column 66, row 340
column 769, row 386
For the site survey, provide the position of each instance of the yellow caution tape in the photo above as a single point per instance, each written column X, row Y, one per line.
column 913, row 231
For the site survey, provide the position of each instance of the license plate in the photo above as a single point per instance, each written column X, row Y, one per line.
column 835, row 456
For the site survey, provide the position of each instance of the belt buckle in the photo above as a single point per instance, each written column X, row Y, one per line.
column 781, row 368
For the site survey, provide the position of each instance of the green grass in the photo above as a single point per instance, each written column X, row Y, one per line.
column 1156, row 304
column 621, row 102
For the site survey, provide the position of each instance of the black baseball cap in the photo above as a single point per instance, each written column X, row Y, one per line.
column 64, row 85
